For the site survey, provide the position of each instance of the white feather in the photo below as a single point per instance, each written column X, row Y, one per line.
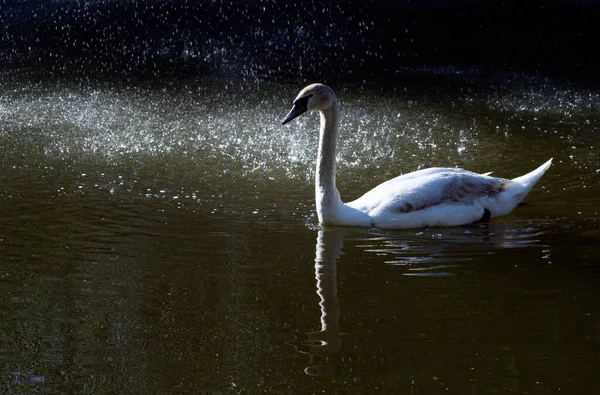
column 429, row 197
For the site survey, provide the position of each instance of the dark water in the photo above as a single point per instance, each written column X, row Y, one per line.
column 338, row 40
column 157, row 224
column 161, row 238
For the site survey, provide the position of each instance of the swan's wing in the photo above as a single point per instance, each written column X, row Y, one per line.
column 429, row 187
column 431, row 195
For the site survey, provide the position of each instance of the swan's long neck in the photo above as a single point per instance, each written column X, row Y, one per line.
column 326, row 194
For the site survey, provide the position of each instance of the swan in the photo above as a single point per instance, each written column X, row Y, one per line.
column 434, row 197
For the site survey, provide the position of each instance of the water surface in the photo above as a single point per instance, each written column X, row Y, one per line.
column 161, row 238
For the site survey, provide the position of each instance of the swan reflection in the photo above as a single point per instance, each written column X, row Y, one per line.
column 327, row 341
column 427, row 253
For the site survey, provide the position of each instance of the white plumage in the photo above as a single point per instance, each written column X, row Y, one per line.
column 429, row 197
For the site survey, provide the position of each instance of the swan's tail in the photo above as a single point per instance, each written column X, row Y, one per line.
column 516, row 191
column 529, row 179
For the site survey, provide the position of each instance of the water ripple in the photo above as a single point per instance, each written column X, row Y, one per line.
column 442, row 252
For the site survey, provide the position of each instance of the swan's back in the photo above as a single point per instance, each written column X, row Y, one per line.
column 443, row 197
column 424, row 188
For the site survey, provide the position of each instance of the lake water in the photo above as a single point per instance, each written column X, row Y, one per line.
column 162, row 238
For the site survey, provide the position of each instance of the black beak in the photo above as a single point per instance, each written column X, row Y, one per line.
column 296, row 111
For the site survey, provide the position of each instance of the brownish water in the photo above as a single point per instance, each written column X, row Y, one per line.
column 162, row 239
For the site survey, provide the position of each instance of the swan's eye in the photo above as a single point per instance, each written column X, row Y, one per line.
column 303, row 101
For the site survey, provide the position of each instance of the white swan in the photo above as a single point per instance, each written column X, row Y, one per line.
column 429, row 197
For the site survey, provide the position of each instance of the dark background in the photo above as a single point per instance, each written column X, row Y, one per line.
column 345, row 40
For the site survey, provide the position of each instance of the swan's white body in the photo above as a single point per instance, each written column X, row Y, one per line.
column 429, row 197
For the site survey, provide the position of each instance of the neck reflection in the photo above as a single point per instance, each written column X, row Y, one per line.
column 326, row 341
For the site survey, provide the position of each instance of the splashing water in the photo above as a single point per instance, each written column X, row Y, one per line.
column 189, row 132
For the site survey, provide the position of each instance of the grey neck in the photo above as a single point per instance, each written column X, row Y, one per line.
column 326, row 193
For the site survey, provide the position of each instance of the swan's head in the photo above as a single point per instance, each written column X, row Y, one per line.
column 315, row 97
